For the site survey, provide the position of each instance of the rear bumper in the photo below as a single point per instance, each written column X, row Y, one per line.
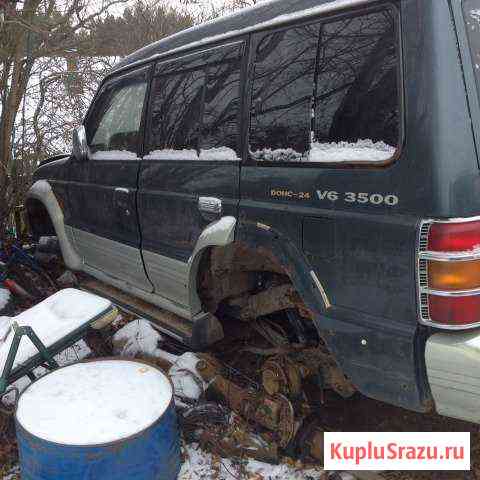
column 453, row 369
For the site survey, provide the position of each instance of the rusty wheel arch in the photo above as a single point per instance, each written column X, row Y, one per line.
column 235, row 271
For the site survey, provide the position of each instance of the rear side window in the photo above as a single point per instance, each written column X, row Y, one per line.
column 280, row 126
column 328, row 92
column 195, row 107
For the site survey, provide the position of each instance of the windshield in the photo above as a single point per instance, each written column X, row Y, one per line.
column 471, row 12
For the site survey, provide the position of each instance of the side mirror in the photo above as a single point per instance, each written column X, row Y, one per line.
column 79, row 143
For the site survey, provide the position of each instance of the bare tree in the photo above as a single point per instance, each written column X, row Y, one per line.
column 30, row 31
column 204, row 10
column 141, row 23
column 53, row 54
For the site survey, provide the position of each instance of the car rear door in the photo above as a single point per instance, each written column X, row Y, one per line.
column 103, row 189
column 190, row 175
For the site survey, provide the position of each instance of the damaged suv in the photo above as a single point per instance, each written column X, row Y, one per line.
column 316, row 158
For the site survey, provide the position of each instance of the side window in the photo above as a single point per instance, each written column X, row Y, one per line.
column 357, row 113
column 194, row 111
column 280, row 124
column 177, row 113
column 328, row 92
column 220, row 135
column 113, row 127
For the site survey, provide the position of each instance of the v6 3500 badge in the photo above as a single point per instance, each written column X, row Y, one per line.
column 360, row 198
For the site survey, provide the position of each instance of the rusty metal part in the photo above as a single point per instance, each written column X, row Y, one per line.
column 286, row 420
column 274, row 299
column 282, row 375
column 309, row 441
column 232, row 272
column 271, row 412
column 319, row 360
column 285, row 373
column 238, row 441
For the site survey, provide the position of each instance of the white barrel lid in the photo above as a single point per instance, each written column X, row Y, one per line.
column 94, row 403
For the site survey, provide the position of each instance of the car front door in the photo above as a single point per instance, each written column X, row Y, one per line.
column 190, row 175
column 103, row 189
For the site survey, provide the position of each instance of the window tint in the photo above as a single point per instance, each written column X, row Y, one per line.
column 222, row 107
column 327, row 92
column 176, row 111
column 280, row 122
column 113, row 131
column 194, row 112
column 356, row 101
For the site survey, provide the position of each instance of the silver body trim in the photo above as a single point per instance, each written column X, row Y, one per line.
column 217, row 234
column 322, row 291
column 174, row 282
column 422, row 274
column 114, row 258
column 210, row 205
column 452, row 361
column 108, row 261
column 152, row 298
column 451, row 256
column 169, row 277
column 453, row 293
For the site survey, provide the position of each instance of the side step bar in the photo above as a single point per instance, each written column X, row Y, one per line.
column 197, row 335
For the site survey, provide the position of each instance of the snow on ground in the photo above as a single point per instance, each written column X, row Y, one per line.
column 136, row 338
column 139, row 338
column 199, row 465
column 4, row 297
column 187, row 382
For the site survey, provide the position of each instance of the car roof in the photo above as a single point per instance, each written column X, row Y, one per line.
column 262, row 15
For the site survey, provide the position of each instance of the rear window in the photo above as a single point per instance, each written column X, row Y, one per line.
column 471, row 11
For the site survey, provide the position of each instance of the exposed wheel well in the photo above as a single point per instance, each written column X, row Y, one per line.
column 39, row 219
column 254, row 298
column 246, row 284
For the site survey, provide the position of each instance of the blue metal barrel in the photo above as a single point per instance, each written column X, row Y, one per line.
column 47, row 446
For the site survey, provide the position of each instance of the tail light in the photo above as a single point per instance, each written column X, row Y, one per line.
column 449, row 273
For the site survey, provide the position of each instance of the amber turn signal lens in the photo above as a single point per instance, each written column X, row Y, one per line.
column 453, row 276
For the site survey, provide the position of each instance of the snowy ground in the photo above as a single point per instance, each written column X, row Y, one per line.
column 136, row 338
column 199, row 465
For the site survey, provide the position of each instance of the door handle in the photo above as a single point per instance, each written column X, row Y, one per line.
column 210, row 205
column 122, row 199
